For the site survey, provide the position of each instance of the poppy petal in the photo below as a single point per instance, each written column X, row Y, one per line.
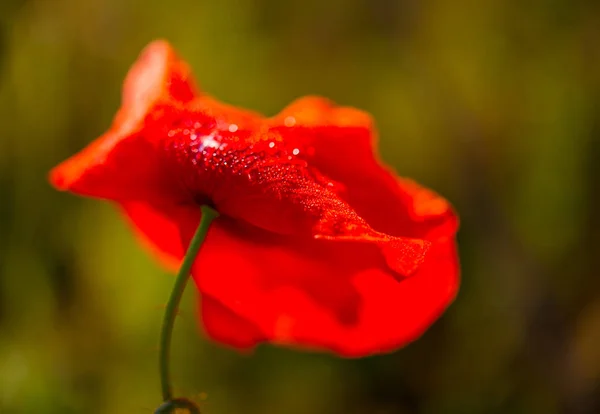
column 158, row 229
column 122, row 163
column 320, row 294
column 342, row 141
column 225, row 326
column 288, row 199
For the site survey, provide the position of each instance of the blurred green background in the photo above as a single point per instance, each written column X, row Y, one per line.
column 495, row 104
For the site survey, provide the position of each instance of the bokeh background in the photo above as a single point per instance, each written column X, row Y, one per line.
column 495, row 104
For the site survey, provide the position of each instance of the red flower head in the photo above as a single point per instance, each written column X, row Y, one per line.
column 317, row 244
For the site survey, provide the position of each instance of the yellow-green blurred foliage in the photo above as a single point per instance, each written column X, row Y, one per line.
column 494, row 103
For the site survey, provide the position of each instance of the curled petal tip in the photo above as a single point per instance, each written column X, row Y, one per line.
column 63, row 175
column 158, row 44
column 406, row 256
column 158, row 73
column 57, row 179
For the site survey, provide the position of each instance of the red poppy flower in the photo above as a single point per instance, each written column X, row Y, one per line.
column 317, row 245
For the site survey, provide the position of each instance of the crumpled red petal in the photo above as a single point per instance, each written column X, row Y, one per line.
column 287, row 200
column 318, row 295
column 123, row 163
column 342, row 141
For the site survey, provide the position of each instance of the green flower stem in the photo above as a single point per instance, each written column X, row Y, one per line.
column 208, row 215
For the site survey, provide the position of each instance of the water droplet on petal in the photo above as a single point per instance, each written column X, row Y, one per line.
column 209, row 141
column 296, row 151
column 289, row 121
column 233, row 128
column 271, row 144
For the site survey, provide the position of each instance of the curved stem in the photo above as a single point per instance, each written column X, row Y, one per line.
column 208, row 215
